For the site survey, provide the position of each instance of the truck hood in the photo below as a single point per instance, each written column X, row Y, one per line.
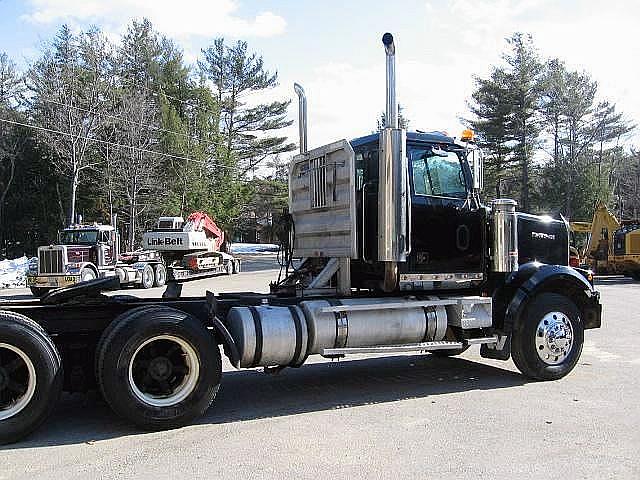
column 542, row 239
column 78, row 253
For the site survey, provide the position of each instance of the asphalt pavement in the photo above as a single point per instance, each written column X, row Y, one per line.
column 405, row 416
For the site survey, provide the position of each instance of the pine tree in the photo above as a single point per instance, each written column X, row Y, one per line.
column 247, row 131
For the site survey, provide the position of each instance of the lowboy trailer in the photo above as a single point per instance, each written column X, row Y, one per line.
column 398, row 255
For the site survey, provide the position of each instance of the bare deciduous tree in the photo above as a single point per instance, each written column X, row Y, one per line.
column 71, row 95
column 11, row 140
column 135, row 172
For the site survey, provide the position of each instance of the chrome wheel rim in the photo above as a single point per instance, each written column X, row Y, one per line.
column 164, row 370
column 17, row 380
column 554, row 338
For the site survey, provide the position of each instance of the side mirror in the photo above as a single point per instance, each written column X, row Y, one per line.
column 477, row 168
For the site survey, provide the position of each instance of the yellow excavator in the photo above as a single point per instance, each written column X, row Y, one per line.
column 606, row 245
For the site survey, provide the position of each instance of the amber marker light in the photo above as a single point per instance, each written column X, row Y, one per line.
column 467, row 135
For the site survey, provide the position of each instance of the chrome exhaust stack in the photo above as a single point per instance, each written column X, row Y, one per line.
column 302, row 116
column 393, row 241
column 391, row 117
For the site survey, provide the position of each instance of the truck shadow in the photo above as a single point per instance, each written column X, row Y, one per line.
column 249, row 395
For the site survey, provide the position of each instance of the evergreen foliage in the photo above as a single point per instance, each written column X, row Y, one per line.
column 549, row 139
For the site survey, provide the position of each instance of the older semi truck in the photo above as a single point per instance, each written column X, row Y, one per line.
column 398, row 255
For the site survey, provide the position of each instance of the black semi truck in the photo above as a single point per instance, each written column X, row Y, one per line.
column 397, row 253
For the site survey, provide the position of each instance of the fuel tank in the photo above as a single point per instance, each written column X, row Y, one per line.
column 276, row 335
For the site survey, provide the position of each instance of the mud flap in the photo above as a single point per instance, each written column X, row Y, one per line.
column 497, row 351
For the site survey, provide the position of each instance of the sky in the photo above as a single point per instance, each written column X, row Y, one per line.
column 334, row 49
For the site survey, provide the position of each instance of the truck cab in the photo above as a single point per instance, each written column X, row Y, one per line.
column 445, row 220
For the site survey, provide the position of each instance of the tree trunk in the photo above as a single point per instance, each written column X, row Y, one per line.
column 524, row 196
column 12, row 171
column 74, row 190
column 60, row 206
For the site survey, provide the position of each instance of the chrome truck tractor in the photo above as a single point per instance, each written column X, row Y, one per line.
column 387, row 249
column 89, row 251
column 80, row 255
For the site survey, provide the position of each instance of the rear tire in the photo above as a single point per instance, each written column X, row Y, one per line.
column 30, row 376
column 160, row 275
column 158, row 367
column 547, row 342
column 148, row 278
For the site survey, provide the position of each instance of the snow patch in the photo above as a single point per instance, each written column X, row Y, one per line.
column 13, row 272
column 254, row 248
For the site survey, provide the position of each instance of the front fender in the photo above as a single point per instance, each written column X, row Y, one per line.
column 534, row 278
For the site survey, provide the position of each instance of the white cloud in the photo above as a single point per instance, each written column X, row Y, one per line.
column 177, row 19
column 456, row 41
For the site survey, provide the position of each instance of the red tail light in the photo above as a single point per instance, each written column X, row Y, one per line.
column 192, row 263
column 574, row 261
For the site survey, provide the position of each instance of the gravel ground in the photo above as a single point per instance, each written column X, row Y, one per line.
column 405, row 416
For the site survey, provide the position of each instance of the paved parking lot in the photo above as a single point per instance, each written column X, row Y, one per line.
column 406, row 416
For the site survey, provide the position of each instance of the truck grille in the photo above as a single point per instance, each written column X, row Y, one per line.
column 51, row 261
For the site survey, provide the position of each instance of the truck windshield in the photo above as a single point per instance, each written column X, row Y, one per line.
column 437, row 173
column 79, row 237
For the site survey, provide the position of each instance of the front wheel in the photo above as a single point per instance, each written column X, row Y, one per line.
column 87, row 274
column 547, row 343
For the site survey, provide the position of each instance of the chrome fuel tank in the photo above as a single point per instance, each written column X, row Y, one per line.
column 352, row 327
column 280, row 335
column 268, row 336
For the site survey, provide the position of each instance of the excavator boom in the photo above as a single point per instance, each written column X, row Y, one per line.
column 201, row 222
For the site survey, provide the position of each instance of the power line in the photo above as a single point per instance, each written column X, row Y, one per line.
column 131, row 122
column 113, row 144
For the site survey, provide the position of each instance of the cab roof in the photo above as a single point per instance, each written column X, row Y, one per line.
column 95, row 226
column 427, row 137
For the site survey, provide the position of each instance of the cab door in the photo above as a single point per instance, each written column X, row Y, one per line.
column 447, row 233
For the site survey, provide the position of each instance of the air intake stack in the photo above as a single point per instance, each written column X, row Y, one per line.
column 302, row 116
column 392, row 188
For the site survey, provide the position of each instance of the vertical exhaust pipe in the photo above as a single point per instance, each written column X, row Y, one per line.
column 393, row 242
column 302, row 116
column 391, row 117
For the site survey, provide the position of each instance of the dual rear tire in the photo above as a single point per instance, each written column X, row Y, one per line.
column 31, row 376
column 158, row 367
column 153, row 276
